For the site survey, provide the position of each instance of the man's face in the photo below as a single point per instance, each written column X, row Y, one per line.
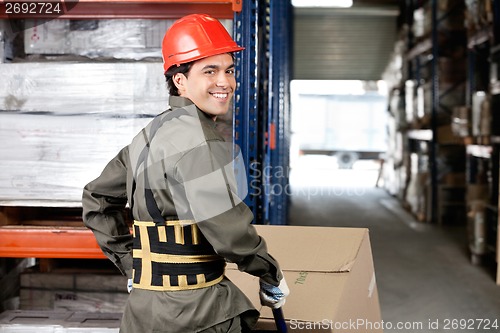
column 210, row 84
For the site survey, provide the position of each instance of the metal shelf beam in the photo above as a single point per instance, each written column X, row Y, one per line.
column 109, row 9
column 48, row 242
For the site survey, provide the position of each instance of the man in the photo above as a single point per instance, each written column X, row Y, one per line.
column 177, row 177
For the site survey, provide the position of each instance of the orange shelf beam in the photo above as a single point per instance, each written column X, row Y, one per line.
column 48, row 242
column 113, row 9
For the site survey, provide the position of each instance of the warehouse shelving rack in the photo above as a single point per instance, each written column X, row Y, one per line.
column 483, row 149
column 261, row 143
column 481, row 152
column 24, row 241
column 429, row 134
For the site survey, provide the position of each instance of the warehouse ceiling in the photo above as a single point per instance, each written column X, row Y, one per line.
column 344, row 43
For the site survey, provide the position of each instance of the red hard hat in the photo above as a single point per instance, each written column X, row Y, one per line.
column 194, row 37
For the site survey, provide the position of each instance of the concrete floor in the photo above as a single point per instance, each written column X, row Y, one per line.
column 423, row 271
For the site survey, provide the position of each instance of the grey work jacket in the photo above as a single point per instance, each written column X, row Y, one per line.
column 190, row 174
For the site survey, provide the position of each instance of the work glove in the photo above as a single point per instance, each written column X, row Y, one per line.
column 130, row 283
column 272, row 296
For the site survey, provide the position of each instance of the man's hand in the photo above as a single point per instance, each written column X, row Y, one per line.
column 271, row 296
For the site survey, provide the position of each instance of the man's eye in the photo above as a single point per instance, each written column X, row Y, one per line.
column 230, row 71
column 210, row 72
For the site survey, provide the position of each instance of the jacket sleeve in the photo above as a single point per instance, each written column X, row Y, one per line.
column 234, row 237
column 104, row 200
column 206, row 178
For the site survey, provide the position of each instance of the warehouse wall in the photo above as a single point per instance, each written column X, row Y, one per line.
column 342, row 44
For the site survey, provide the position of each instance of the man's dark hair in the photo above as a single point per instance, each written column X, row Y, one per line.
column 169, row 74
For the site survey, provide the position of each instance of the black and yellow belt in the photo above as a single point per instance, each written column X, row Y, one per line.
column 174, row 256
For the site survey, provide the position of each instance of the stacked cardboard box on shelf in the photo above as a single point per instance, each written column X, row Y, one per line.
column 450, row 187
column 450, row 95
column 396, row 160
column 479, row 15
column 480, row 117
column 450, row 64
column 491, row 125
column 395, row 167
column 477, row 201
column 450, row 19
column 418, row 188
column 461, row 123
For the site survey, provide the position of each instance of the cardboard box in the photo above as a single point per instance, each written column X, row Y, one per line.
column 446, row 135
column 478, row 99
column 461, row 121
column 331, row 278
column 477, row 193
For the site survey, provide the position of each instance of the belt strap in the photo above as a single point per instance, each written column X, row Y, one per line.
column 151, row 204
column 173, row 256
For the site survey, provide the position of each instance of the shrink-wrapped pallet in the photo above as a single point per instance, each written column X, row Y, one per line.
column 60, row 122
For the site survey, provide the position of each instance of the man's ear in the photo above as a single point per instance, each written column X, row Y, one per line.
column 179, row 81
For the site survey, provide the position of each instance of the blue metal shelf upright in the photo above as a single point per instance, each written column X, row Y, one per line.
column 279, row 110
column 262, row 105
column 245, row 120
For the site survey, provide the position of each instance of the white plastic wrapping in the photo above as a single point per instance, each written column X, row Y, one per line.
column 72, row 87
column 117, row 38
column 60, row 123
column 61, row 118
column 121, row 39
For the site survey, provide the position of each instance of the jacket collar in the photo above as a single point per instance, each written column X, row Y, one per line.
column 176, row 102
column 179, row 102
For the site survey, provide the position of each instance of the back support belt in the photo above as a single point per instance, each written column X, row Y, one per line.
column 174, row 256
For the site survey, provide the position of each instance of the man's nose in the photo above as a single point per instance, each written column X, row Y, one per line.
column 222, row 80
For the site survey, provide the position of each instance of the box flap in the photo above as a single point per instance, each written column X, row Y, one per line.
column 327, row 249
